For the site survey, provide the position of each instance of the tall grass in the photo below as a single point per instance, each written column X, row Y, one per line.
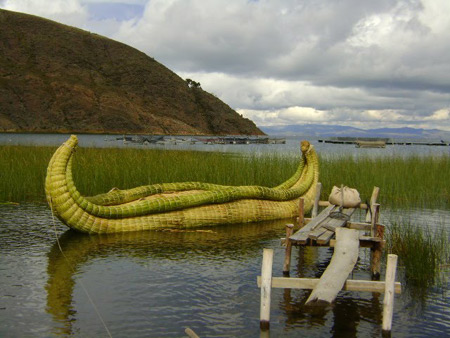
column 404, row 182
column 98, row 170
column 421, row 251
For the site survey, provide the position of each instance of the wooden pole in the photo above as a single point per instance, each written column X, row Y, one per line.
column 266, row 286
column 288, row 250
column 301, row 212
column 315, row 208
column 374, row 220
column 388, row 304
column 346, row 252
column 373, row 200
column 376, row 252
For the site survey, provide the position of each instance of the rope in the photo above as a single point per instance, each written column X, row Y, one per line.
column 73, row 270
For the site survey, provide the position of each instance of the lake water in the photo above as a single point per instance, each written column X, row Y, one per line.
column 55, row 282
column 291, row 146
column 155, row 284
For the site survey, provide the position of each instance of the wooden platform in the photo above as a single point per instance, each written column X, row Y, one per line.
column 320, row 229
column 333, row 227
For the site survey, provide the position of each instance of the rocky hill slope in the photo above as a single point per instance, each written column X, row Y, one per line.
column 56, row 78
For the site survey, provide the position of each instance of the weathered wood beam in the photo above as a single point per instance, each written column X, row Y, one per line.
column 344, row 259
column 349, row 285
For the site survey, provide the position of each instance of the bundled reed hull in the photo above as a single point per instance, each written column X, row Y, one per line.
column 181, row 205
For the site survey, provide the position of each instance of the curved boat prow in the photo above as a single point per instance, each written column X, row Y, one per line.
column 185, row 204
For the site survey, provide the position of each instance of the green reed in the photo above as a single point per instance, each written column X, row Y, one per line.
column 422, row 252
column 404, row 182
column 129, row 168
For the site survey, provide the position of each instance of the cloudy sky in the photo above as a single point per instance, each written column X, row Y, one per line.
column 360, row 63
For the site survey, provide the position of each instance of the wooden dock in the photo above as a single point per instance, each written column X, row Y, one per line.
column 333, row 228
column 375, row 142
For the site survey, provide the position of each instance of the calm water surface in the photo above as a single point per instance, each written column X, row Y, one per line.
column 155, row 284
column 291, row 146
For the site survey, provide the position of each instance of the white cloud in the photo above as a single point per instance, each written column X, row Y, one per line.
column 70, row 12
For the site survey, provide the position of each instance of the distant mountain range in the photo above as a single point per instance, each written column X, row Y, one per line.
column 318, row 130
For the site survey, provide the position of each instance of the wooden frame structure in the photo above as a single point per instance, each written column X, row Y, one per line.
column 332, row 227
column 266, row 282
column 320, row 229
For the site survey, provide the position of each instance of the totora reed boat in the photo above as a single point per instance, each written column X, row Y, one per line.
column 175, row 205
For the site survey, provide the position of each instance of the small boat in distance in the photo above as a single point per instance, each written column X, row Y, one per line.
column 370, row 144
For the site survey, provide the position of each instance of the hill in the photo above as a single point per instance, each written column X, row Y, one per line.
column 57, row 78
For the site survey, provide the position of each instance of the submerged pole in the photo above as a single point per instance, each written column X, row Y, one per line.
column 266, row 286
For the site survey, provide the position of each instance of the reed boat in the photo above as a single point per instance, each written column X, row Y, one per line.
column 175, row 205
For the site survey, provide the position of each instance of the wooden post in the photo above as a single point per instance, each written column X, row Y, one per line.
column 315, row 208
column 376, row 251
column 375, row 215
column 266, row 286
column 373, row 200
column 287, row 253
column 301, row 212
column 346, row 252
column 388, row 303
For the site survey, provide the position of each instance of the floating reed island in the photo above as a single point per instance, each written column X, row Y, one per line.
column 177, row 205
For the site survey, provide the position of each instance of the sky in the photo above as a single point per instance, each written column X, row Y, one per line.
column 360, row 63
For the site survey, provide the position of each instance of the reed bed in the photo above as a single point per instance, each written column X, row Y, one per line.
column 404, row 182
column 424, row 253
column 411, row 182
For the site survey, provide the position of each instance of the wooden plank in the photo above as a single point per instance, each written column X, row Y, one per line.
column 358, row 226
column 345, row 256
column 388, row 303
column 325, row 238
column 316, row 233
column 364, row 241
column 349, row 285
column 266, row 285
column 326, row 204
column 332, row 224
column 301, row 236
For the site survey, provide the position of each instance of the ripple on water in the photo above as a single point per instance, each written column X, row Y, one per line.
column 157, row 283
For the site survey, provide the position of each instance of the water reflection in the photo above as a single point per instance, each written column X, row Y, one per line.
column 155, row 284
column 74, row 250
column 347, row 316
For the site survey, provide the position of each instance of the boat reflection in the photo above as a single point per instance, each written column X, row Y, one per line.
column 73, row 250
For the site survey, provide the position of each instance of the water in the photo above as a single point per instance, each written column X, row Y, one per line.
column 155, row 284
column 291, row 146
